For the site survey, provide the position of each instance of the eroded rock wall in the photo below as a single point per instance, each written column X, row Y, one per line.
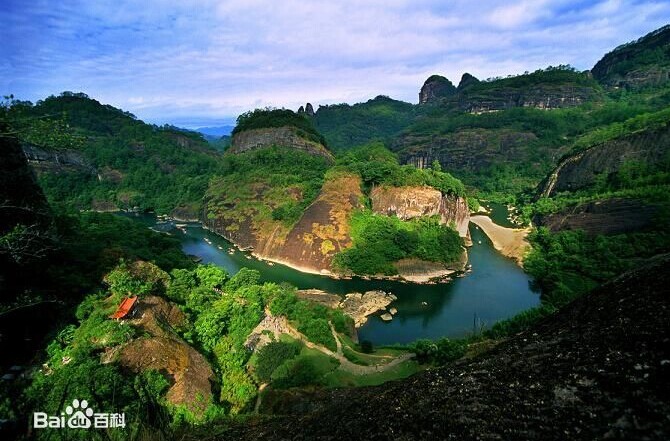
column 321, row 232
column 613, row 216
column 323, row 229
column 582, row 169
column 466, row 150
column 412, row 202
column 276, row 136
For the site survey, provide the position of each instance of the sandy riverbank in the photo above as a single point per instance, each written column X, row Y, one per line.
column 510, row 242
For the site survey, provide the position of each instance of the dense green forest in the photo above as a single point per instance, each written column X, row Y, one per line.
column 121, row 162
column 346, row 126
column 379, row 241
column 376, row 165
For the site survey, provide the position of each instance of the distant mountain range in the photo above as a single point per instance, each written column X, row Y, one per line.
column 217, row 131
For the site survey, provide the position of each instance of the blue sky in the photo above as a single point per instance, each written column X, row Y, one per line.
column 196, row 63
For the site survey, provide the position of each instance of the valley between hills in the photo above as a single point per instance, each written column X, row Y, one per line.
column 489, row 263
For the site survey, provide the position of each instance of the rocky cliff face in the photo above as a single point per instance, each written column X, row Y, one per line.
column 434, row 88
column 323, row 229
column 581, row 170
column 465, row 150
column 57, row 161
column 281, row 136
column 612, row 216
column 597, row 369
column 641, row 63
column 321, row 232
column 544, row 96
column 412, row 202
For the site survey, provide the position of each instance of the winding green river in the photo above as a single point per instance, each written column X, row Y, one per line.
column 495, row 289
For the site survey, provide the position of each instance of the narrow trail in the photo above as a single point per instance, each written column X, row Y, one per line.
column 345, row 364
column 279, row 325
column 357, row 369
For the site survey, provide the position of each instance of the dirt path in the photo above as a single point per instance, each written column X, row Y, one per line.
column 345, row 364
column 510, row 242
column 279, row 325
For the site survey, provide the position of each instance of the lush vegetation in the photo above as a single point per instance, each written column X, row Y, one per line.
column 346, row 126
column 378, row 166
column 311, row 319
column 643, row 121
column 111, row 159
column 287, row 180
column 273, row 355
column 264, row 118
column 440, row 351
column 379, row 241
column 549, row 77
column 85, row 246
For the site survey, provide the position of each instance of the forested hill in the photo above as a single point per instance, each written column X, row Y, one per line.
column 345, row 126
column 503, row 135
column 90, row 155
column 641, row 63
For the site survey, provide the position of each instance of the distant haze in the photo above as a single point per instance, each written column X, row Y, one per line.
column 215, row 131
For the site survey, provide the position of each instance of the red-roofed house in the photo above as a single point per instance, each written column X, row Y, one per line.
column 125, row 308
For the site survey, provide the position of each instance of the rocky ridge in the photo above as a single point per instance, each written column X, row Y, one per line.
column 582, row 169
column 641, row 63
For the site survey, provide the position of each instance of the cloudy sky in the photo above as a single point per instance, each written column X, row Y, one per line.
column 195, row 63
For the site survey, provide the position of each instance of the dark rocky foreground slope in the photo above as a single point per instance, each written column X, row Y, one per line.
column 598, row 369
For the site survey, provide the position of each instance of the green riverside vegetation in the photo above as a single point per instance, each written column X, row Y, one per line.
column 379, row 241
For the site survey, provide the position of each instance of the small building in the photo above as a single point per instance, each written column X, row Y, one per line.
column 125, row 309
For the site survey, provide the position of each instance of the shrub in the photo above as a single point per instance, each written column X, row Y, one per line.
column 273, row 355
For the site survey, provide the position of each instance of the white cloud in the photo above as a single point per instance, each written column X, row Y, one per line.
column 213, row 59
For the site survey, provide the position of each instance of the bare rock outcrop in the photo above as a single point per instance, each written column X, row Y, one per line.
column 310, row 245
column 287, row 136
column 323, row 229
column 412, row 202
column 434, row 88
column 358, row 306
column 161, row 349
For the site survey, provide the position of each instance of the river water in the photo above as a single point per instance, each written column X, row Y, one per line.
column 495, row 289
